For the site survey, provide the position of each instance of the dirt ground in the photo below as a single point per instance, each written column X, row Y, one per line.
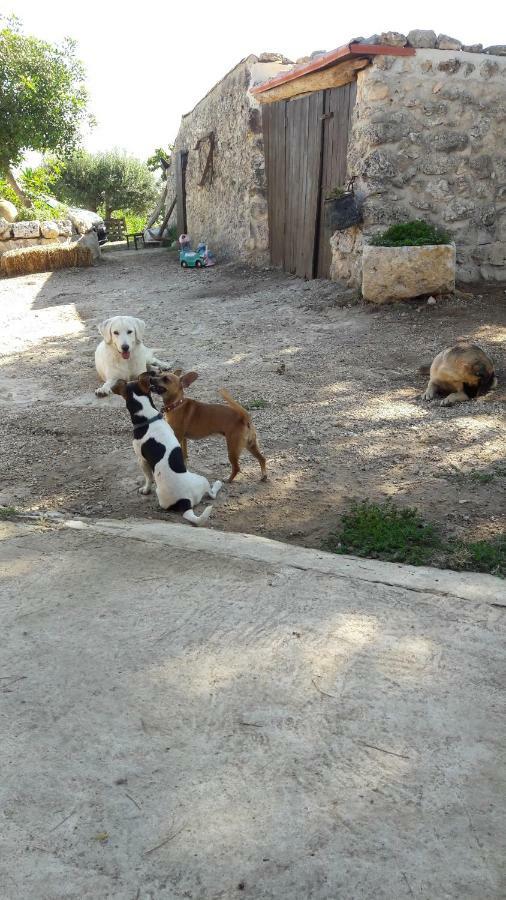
column 332, row 384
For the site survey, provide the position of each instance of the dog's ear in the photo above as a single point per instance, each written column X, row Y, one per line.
column 105, row 330
column 120, row 387
column 144, row 382
column 140, row 328
column 189, row 378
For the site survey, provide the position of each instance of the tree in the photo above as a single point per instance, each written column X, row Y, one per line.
column 161, row 159
column 43, row 98
column 111, row 180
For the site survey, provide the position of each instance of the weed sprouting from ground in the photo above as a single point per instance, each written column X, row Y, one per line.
column 382, row 531
column 256, row 403
column 8, row 512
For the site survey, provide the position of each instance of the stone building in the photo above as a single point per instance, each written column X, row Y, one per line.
column 218, row 168
column 419, row 121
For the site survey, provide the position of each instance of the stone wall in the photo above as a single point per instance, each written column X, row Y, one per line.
column 229, row 210
column 14, row 235
column 428, row 141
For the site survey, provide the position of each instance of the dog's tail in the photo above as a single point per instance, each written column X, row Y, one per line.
column 235, row 405
column 190, row 516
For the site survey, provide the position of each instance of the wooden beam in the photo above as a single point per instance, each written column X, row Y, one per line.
column 336, row 76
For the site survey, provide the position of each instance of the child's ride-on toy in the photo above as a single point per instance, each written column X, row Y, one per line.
column 194, row 259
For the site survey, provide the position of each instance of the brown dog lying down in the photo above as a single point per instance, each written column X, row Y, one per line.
column 192, row 419
column 460, row 373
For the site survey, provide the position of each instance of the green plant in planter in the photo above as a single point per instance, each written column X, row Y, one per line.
column 411, row 234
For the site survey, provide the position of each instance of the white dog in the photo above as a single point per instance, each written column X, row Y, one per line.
column 160, row 456
column 122, row 353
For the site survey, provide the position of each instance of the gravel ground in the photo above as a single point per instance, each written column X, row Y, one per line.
column 332, row 384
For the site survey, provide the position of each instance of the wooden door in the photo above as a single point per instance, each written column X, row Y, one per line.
column 181, row 161
column 305, row 151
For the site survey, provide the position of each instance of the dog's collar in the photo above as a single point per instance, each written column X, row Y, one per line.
column 175, row 405
column 147, row 422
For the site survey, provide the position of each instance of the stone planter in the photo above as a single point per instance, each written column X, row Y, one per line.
column 397, row 273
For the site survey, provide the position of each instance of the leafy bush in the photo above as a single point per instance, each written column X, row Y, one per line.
column 6, row 192
column 411, row 234
column 42, row 211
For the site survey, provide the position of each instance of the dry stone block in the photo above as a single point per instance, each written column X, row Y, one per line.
column 422, row 39
column 393, row 38
column 26, row 229
column 5, row 229
column 397, row 273
column 473, row 48
column 64, row 227
column 49, row 229
column 445, row 42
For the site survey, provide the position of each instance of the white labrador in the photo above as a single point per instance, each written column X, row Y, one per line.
column 122, row 353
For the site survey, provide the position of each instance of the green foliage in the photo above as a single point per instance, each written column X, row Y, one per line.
column 41, row 210
column 256, row 403
column 8, row 512
column 42, row 94
column 411, row 234
column 381, row 531
column 154, row 162
column 110, row 181
column 486, row 556
column 41, row 179
column 6, row 192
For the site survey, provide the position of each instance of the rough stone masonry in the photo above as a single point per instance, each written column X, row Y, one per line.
column 229, row 208
column 428, row 141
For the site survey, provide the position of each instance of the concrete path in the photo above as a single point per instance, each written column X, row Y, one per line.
column 191, row 714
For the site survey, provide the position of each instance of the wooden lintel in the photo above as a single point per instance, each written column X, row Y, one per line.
column 333, row 77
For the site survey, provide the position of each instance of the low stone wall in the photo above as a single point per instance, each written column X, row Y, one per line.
column 229, row 209
column 428, row 141
column 15, row 235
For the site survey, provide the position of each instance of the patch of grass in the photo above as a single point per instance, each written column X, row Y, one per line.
column 481, row 477
column 256, row 403
column 381, row 531
column 486, row 556
column 411, row 234
column 8, row 512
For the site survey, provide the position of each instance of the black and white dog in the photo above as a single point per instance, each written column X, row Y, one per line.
column 160, row 456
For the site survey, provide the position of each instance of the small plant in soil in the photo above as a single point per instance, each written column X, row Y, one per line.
column 8, row 512
column 256, row 403
column 381, row 531
column 411, row 234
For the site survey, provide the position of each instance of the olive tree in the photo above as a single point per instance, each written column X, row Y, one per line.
column 43, row 98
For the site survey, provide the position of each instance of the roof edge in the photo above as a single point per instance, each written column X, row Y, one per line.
column 341, row 54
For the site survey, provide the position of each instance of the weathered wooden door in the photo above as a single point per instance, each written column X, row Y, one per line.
column 306, row 142
column 337, row 112
column 181, row 161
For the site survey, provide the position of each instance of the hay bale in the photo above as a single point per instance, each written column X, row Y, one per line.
column 45, row 259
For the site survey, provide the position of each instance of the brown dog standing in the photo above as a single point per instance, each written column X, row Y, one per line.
column 195, row 420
